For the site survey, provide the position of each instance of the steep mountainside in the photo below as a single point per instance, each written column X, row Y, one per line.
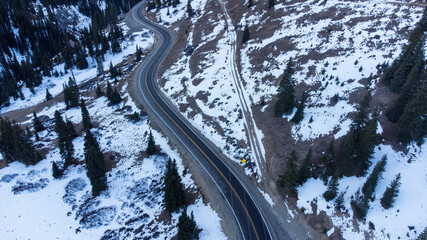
column 339, row 50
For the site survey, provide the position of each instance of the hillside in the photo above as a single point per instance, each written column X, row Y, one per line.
column 322, row 104
column 338, row 48
column 65, row 207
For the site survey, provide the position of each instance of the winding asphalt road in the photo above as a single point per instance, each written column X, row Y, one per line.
column 251, row 222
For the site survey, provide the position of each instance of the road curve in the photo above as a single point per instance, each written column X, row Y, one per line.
column 244, row 208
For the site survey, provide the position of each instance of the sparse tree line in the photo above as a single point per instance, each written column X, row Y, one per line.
column 44, row 43
column 158, row 4
column 16, row 145
column 406, row 76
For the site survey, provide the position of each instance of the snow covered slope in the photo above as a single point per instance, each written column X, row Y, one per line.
column 337, row 46
column 37, row 206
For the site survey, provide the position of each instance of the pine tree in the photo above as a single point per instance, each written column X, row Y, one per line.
column 48, row 95
column 391, row 193
column 99, row 92
column 56, row 172
column 174, row 189
column 71, row 94
column 360, row 205
column 289, row 178
column 407, row 94
column 71, row 130
column 109, row 90
column 362, row 115
column 305, row 170
column 423, row 235
column 115, row 97
column 114, row 35
column 285, row 97
column 327, row 161
column 365, row 149
column 187, row 228
column 299, row 115
column 65, row 144
column 246, row 35
column 358, row 145
column 190, row 11
column 271, row 3
column 23, row 148
column 331, row 193
column 81, row 62
column 85, row 116
column 99, row 65
column 138, row 54
column 368, row 188
column 38, row 125
column 412, row 125
column 113, row 71
column 151, row 146
column 95, row 164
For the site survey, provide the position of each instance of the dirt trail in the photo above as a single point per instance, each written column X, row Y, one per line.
column 254, row 135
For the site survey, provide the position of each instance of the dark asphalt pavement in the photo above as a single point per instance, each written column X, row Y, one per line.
column 244, row 208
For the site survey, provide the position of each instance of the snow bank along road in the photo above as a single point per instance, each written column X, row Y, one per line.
column 252, row 223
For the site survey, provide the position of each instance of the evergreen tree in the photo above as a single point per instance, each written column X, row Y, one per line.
column 99, row 65
column 305, row 171
column 99, row 92
column 365, row 150
column 109, row 90
column 37, row 136
column 407, row 94
column 423, row 235
column 331, row 193
column 327, row 161
column 391, row 193
column 174, row 189
column 299, row 115
column 368, row 188
column 360, row 205
column 289, row 178
column 412, row 125
column 6, row 145
column 187, row 228
column 95, row 164
column 24, row 150
column 358, row 145
column 15, row 145
column 48, row 95
column 71, row 94
column 81, row 62
column 114, row 35
column 71, row 130
column 190, row 11
column 56, row 172
column 138, row 54
column 271, row 3
column 115, row 97
column 85, row 116
column 362, row 115
column 285, row 97
column 151, row 146
column 38, row 125
column 246, row 35
column 65, row 144
column 113, row 71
